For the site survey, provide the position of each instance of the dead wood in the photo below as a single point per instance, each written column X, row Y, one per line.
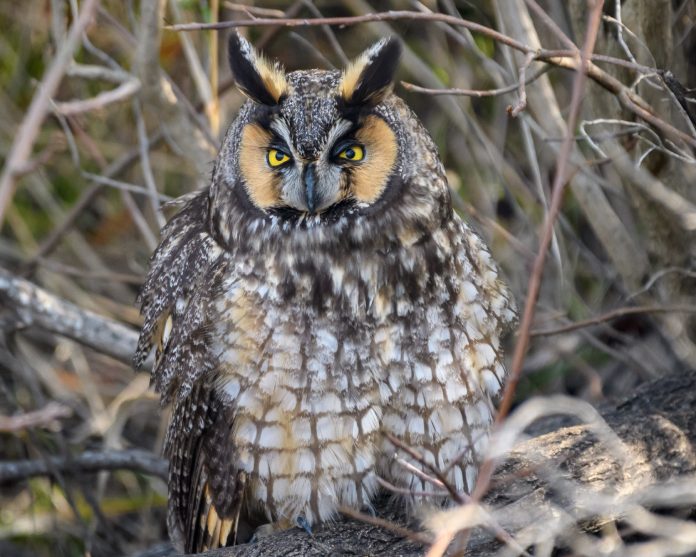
column 30, row 305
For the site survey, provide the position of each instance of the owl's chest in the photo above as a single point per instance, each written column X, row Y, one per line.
column 272, row 342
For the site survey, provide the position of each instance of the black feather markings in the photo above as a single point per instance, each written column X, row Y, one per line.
column 183, row 259
column 202, row 472
column 242, row 60
column 377, row 76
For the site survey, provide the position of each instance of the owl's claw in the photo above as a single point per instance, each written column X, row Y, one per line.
column 302, row 523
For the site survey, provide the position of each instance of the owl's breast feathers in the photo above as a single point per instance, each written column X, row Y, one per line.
column 289, row 352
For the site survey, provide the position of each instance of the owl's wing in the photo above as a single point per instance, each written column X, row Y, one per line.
column 179, row 269
column 177, row 301
column 205, row 490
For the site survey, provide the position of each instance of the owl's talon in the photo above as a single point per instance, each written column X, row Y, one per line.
column 302, row 523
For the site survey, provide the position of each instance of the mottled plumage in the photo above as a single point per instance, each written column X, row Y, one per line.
column 319, row 294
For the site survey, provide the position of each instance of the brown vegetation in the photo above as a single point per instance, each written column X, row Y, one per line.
column 568, row 131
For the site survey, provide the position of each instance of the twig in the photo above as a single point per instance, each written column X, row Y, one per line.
column 145, row 165
column 35, row 306
column 619, row 32
column 563, row 58
column 353, row 20
column 88, row 461
column 521, row 103
column 40, row 105
column 125, row 186
column 551, row 25
column 120, row 93
column 44, row 417
column 608, row 316
column 456, row 496
column 558, row 188
column 328, row 32
column 85, row 199
column 213, row 107
column 410, row 492
column 474, row 92
column 560, row 179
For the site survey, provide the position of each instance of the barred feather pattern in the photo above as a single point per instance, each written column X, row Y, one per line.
column 297, row 342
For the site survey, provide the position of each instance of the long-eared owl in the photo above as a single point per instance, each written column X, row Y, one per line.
column 318, row 296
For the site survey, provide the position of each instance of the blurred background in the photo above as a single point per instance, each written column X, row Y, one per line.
column 135, row 120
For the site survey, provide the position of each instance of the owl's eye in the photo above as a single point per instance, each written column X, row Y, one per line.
column 277, row 158
column 352, row 153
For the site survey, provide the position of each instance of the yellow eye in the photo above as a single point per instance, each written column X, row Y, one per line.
column 352, row 153
column 277, row 158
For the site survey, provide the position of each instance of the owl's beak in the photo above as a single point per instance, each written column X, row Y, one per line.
column 310, row 184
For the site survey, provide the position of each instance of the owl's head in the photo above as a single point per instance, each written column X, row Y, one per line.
column 313, row 146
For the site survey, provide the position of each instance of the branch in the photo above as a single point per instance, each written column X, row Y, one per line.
column 35, row 306
column 478, row 93
column 620, row 312
column 122, row 92
column 353, row 20
column 44, row 417
column 89, row 461
column 562, row 58
column 40, row 105
column 558, row 187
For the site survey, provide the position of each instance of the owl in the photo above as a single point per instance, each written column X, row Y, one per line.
column 320, row 296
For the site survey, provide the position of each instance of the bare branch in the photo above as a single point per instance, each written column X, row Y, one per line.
column 620, row 312
column 121, row 93
column 40, row 105
column 474, row 92
column 89, row 461
column 558, row 187
column 35, row 306
column 521, row 103
column 47, row 416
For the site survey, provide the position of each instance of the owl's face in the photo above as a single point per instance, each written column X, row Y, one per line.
column 324, row 160
column 312, row 141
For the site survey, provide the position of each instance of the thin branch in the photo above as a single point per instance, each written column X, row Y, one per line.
column 47, row 416
column 456, row 496
column 474, row 92
column 408, row 491
column 253, row 10
column 353, row 20
column 608, row 316
column 69, row 270
column 85, row 200
column 89, row 461
column 560, row 180
column 145, row 165
column 551, row 25
column 124, row 91
column 40, row 105
column 521, row 103
column 534, row 287
column 562, row 58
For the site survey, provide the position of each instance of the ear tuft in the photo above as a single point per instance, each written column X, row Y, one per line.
column 260, row 80
column 369, row 78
